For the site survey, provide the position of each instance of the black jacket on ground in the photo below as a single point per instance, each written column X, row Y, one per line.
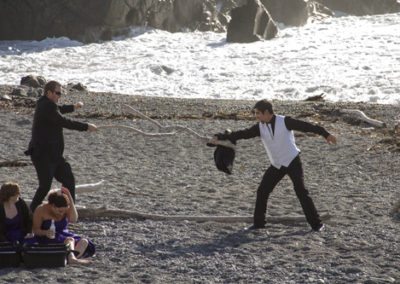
column 26, row 218
column 47, row 129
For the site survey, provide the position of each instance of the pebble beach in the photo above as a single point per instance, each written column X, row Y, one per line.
column 355, row 182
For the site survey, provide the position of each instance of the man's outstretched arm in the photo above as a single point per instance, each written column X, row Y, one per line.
column 299, row 125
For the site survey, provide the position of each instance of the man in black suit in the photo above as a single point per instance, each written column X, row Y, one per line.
column 47, row 143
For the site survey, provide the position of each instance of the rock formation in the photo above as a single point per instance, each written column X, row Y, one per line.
column 250, row 22
column 93, row 20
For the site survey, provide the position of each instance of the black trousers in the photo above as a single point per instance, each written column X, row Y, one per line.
column 46, row 170
column 271, row 178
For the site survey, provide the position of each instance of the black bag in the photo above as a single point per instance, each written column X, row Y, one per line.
column 45, row 255
column 9, row 255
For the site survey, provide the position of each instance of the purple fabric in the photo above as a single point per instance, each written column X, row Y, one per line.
column 13, row 229
column 62, row 233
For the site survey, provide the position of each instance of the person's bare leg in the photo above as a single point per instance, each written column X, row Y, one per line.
column 71, row 257
column 81, row 247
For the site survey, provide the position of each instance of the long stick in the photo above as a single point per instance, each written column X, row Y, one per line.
column 119, row 213
column 204, row 139
column 135, row 130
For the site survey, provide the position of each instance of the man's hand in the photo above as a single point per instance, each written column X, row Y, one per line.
column 91, row 127
column 78, row 105
column 331, row 139
column 214, row 140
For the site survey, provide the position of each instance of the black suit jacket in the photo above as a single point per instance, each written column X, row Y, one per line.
column 26, row 218
column 47, row 129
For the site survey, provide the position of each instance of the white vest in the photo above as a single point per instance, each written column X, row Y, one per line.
column 280, row 146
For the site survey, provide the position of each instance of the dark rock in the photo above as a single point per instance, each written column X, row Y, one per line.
column 315, row 98
column 167, row 69
column 93, row 20
column 363, row 7
column 33, row 81
column 77, row 87
column 250, row 22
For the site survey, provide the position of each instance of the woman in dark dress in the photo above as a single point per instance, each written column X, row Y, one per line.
column 15, row 216
column 61, row 210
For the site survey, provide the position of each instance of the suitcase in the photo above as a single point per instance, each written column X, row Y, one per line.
column 45, row 255
column 9, row 255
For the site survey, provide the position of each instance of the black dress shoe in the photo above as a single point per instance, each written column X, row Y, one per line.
column 319, row 228
column 255, row 227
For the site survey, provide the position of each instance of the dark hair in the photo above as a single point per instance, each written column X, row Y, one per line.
column 264, row 105
column 51, row 86
column 8, row 190
column 57, row 199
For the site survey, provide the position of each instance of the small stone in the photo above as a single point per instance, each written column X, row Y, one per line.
column 19, row 92
column 6, row 98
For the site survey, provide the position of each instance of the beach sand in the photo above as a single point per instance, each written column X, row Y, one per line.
column 356, row 182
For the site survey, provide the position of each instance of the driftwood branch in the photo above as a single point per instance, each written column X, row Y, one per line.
column 101, row 212
column 14, row 163
column 181, row 128
column 134, row 129
column 88, row 187
column 104, row 212
column 363, row 117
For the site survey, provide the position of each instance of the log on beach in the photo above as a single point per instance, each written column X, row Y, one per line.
column 103, row 212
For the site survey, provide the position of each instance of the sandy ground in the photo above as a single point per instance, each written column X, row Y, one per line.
column 356, row 181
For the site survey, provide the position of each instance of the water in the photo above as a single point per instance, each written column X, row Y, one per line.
column 347, row 58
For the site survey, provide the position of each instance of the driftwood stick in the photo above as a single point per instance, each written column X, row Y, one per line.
column 362, row 116
column 14, row 163
column 135, row 130
column 91, row 213
column 84, row 188
column 131, row 109
column 204, row 139
column 88, row 187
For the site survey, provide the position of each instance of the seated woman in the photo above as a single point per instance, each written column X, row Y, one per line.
column 61, row 209
column 15, row 216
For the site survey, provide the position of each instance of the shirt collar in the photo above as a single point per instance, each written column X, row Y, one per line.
column 271, row 122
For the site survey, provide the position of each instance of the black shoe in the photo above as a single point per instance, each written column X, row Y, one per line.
column 319, row 228
column 255, row 227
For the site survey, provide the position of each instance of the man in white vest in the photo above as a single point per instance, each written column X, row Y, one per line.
column 276, row 133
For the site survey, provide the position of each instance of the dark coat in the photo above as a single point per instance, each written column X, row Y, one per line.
column 26, row 218
column 224, row 156
column 47, row 130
